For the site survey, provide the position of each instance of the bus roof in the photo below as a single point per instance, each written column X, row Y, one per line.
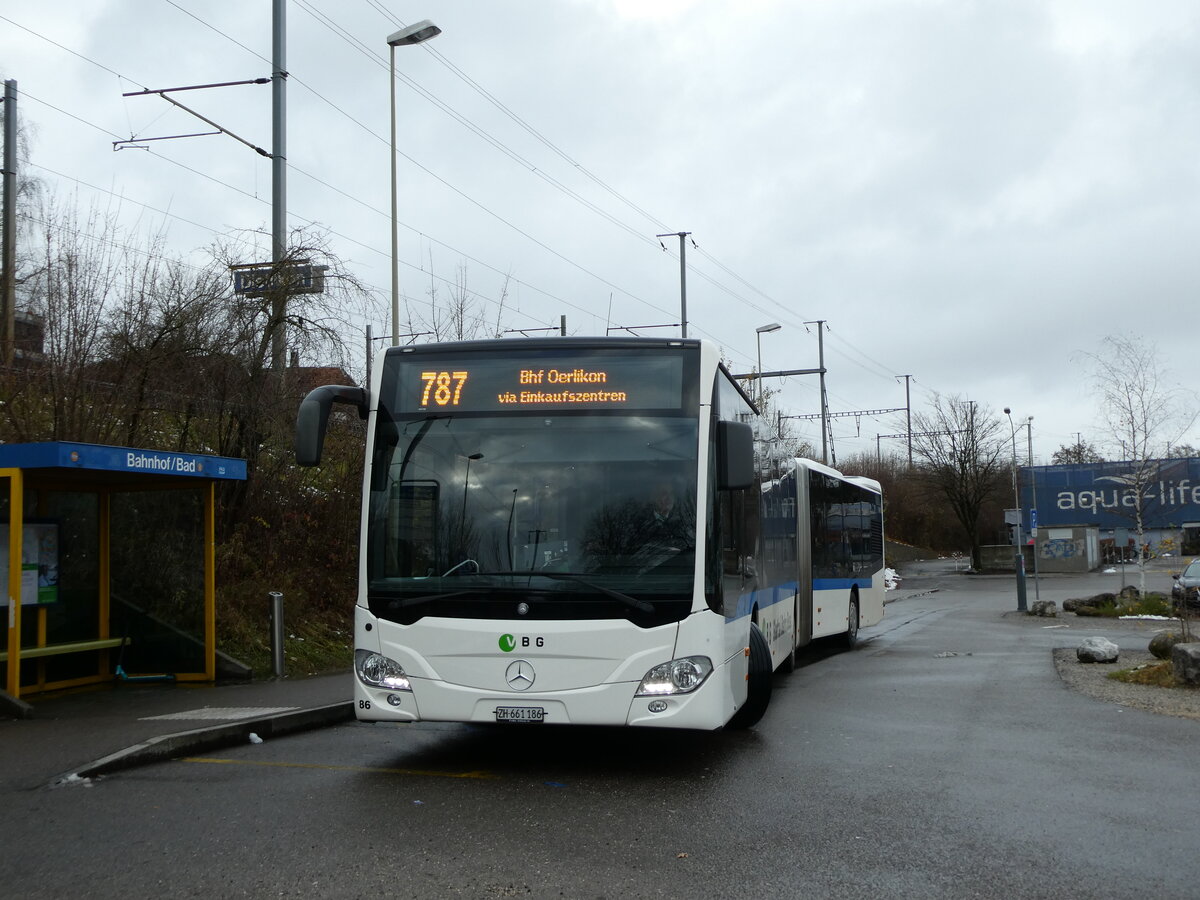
column 861, row 480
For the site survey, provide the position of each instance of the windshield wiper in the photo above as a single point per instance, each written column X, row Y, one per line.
column 402, row 602
column 631, row 602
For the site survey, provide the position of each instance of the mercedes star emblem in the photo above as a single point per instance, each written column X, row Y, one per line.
column 520, row 675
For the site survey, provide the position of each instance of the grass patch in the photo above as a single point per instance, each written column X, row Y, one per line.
column 1149, row 605
column 316, row 640
column 1152, row 674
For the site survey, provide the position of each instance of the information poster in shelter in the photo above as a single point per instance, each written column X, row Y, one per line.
column 39, row 563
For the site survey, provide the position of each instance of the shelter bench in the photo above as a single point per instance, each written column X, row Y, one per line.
column 72, row 647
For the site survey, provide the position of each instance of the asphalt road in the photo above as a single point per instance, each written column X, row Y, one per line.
column 942, row 758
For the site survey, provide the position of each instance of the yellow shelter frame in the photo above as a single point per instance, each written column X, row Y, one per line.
column 102, row 470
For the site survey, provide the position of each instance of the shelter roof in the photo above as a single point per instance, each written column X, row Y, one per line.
column 112, row 464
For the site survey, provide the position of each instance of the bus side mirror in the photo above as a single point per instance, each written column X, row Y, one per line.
column 312, row 419
column 735, row 456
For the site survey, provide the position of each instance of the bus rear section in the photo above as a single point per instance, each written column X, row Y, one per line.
column 823, row 557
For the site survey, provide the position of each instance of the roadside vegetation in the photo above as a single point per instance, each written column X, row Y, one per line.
column 1151, row 674
column 1113, row 606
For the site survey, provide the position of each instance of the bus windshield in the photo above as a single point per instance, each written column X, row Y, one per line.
column 567, row 514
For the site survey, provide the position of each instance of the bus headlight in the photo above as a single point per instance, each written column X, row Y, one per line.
column 679, row 676
column 377, row 670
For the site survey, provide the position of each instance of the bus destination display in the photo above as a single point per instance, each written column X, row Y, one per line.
column 541, row 383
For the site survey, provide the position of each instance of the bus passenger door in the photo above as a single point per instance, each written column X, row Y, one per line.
column 804, row 560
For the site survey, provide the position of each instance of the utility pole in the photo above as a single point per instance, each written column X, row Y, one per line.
column 908, row 415
column 682, row 273
column 820, row 323
column 279, row 178
column 9, row 287
column 275, row 283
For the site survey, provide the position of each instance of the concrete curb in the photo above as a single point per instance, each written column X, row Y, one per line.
column 14, row 708
column 171, row 746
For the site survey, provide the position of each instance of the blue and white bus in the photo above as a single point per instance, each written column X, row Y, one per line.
column 822, row 555
column 575, row 531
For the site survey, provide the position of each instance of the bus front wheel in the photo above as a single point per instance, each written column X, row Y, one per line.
column 758, row 691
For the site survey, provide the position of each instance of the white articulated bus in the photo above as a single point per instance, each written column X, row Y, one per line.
column 822, row 551
column 571, row 531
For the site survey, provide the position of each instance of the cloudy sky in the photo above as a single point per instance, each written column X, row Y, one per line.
column 971, row 193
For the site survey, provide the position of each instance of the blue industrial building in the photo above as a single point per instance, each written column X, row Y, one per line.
column 1089, row 510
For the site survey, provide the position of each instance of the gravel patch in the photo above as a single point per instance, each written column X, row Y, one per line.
column 1091, row 679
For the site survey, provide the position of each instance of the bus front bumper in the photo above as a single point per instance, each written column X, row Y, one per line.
column 708, row 707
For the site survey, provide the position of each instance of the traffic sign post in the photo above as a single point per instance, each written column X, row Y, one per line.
column 1033, row 526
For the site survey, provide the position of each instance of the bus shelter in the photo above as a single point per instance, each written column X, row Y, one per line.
column 107, row 556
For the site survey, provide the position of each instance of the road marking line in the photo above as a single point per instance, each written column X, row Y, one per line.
column 289, row 765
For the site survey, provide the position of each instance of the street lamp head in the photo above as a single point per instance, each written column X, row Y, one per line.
column 765, row 329
column 414, row 34
column 1007, row 411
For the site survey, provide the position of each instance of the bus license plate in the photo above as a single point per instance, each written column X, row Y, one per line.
column 520, row 714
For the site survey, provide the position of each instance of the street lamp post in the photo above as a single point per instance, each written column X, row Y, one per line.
column 1028, row 426
column 758, row 333
column 413, row 34
column 1018, row 555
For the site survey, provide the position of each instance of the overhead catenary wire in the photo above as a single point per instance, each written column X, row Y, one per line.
column 409, row 158
column 366, row 51
column 708, row 257
column 366, row 205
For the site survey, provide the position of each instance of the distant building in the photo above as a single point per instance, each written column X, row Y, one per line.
column 1098, row 498
column 302, row 379
column 29, row 337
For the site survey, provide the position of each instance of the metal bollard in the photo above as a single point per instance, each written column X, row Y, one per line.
column 276, row 633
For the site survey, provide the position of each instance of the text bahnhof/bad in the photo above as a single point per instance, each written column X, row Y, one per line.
column 171, row 464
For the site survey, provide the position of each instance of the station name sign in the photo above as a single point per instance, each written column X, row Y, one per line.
column 158, row 462
column 593, row 381
column 259, row 280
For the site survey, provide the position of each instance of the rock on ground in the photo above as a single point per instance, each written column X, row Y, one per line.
column 1163, row 641
column 1185, row 663
column 1098, row 650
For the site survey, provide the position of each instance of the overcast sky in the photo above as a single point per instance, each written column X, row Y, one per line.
column 970, row 193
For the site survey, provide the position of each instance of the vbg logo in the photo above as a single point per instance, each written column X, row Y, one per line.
column 508, row 643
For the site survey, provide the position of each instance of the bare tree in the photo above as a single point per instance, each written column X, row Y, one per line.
column 1076, row 454
column 1145, row 415
column 961, row 454
column 454, row 312
column 74, row 266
